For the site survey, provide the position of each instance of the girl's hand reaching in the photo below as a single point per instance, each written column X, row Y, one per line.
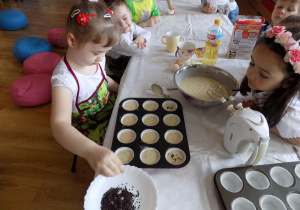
column 141, row 42
column 104, row 161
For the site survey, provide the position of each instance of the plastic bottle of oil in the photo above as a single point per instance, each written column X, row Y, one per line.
column 214, row 36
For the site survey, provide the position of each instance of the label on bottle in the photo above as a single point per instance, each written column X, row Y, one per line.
column 213, row 36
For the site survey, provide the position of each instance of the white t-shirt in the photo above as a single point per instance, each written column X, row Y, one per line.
column 222, row 6
column 127, row 47
column 62, row 77
column 288, row 126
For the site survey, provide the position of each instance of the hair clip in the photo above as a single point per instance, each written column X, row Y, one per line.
column 83, row 19
column 75, row 12
column 108, row 15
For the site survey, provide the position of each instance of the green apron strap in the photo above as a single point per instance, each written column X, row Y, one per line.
column 155, row 11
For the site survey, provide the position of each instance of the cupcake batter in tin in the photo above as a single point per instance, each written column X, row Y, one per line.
column 150, row 137
column 150, row 157
column 173, row 138
column 126, row 137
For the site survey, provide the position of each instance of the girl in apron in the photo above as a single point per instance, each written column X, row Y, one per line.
column 82, row 95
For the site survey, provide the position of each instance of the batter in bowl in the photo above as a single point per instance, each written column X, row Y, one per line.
column 199, row 87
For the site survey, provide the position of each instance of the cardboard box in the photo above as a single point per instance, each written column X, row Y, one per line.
column 244, row 36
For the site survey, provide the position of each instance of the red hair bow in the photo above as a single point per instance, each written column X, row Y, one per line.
column 83, row 19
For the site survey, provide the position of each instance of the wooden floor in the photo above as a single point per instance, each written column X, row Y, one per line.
column 34, row 169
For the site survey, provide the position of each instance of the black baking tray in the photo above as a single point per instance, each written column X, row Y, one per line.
column 161, row 145
column 254, row 195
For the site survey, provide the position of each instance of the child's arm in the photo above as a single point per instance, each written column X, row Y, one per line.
column 295, row 141
column 101, row 159
column 142, row 37
column 171, row 10
column 112, row 85
column 150, row 22
column 128, row 47
column 140, row 42
column 170, row 4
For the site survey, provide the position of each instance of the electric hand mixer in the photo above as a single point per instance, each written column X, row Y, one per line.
column 244, row 128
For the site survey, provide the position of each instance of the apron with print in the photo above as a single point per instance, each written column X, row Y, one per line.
column 93, row 113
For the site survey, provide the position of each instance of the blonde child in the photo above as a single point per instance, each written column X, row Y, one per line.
column 144, row 12
column 273, row 77
column 81, row 99
column 134, row 40
column 227, row 7
column 283, row 9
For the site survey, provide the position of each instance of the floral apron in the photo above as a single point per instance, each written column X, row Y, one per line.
column 93, row 113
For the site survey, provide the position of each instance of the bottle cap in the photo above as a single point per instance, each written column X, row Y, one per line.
column 218, row 21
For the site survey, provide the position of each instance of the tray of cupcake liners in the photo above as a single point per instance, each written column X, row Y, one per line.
column 150, row 133
column 262, row 187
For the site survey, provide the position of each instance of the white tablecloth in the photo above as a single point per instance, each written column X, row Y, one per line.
column 190, row 187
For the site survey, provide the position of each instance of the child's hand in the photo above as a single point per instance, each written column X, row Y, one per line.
column 171, row 11
column 247, row 103
column 141, row 42
column 104, row 161
column 207, row 9
column 156, row 18
column 149, row 23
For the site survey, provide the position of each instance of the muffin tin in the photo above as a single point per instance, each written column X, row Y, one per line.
column 263, row 187
column 143, row 126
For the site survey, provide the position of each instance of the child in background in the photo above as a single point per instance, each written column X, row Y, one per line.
column 273, row 77
column 81, row 99
column 144, row 12
column 283, row 9
column 227, row 7
column 134, row 40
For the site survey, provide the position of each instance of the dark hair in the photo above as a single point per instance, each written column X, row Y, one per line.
column 291, row 21
column 276, row 105
column 113, row 4
column 98, row 29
